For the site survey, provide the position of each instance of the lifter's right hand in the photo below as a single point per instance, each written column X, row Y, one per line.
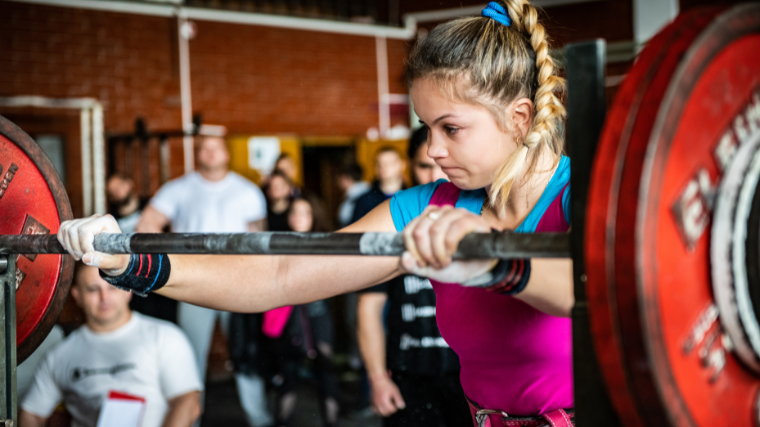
column 77, row 237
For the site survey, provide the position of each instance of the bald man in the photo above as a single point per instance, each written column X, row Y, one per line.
column 116, row 350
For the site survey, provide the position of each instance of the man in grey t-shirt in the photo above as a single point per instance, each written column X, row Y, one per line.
column 119, row 351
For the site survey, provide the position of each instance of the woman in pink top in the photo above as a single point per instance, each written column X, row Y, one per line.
column 487, row 89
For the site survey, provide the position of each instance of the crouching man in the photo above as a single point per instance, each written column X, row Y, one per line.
column 117, row 351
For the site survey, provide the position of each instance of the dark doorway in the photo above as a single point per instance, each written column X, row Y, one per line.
column 321, row 167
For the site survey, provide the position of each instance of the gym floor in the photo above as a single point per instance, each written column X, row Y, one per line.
column 223, row 408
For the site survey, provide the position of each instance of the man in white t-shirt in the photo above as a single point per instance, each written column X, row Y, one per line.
column 211, row 200
column 116, row 351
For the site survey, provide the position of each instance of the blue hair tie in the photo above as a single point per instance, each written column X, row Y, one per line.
column 497, row 12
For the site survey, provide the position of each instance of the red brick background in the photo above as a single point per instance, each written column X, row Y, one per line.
column 251, row 79
column 254, row 80
column 272, row 80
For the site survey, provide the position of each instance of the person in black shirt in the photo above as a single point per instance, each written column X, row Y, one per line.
column 307, row 332
column 279, row 192
column 126, row 206
column 389, row 179
column 123, row 201
column 389, row 173
column 414, row 375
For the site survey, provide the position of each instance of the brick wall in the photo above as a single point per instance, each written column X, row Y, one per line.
column 271, row 80
column 251, row 79
column 126, row 61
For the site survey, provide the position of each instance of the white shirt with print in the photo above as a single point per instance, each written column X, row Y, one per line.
column 146, row 357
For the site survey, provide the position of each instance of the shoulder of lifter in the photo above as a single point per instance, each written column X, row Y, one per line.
column 419, row 194
column 564, row 169
column 408, row 204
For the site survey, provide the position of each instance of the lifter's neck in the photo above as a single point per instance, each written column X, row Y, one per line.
column 524, row 194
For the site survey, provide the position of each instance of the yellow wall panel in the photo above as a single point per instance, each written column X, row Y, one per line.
column 366, row 151
column 238, row 146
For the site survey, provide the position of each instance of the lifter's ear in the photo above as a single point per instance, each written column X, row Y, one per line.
column 521, row 115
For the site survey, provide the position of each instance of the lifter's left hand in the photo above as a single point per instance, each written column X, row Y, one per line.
column 432, row 239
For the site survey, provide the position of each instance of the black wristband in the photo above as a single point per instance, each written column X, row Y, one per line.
column 145, row 273
column 515, row 277
column 492, row 277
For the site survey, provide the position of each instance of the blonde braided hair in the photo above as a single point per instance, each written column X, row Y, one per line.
column 483, row 61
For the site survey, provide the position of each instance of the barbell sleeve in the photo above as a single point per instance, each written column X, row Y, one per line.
column 472, row 246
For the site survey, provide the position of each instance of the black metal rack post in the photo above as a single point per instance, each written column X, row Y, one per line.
column 586, row 109
column 8, row 405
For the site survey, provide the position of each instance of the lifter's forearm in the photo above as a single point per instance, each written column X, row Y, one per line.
column 260, row 283
column 251, row 283
column 550, row 288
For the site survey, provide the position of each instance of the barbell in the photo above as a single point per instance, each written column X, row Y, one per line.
column 672, row 240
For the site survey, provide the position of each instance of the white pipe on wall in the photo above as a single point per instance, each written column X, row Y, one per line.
column 649, row 16
column 98, row 160
column 307, row 24
column 237, row 17
column 85, row 117
column 185, row 91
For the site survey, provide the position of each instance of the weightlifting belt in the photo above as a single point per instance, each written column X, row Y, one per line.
column 495, row 418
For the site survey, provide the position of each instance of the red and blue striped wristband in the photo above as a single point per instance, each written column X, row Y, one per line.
column 512, row 277
column 145, row 273
column 508, row 276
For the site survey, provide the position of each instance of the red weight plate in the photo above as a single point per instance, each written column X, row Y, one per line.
column 33, row 200
column 653, row 316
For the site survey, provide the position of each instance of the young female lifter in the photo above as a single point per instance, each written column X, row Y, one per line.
column 487, row 90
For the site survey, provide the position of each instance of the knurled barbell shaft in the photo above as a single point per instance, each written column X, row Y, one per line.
column 473, row 246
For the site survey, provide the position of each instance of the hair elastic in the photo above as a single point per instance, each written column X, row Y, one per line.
column 497, row 12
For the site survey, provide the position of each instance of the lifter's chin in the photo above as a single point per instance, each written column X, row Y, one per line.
column 465, row 183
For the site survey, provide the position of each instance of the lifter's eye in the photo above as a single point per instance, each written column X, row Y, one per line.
column 450, row 130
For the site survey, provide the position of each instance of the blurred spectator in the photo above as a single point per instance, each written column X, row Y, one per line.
column 286, row 165
column 352, row 185
column 26, row 370
column 249, row 358
column 211, row 200
column 308, row 330
column 116, row 350
column 350, row 181
column 279, row 194
column 412, row 383
column 124, row 203
column 389, row 178
column 127, row 207
column 424, row 169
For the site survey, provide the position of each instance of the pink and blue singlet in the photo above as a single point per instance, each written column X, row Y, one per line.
column 514, row 358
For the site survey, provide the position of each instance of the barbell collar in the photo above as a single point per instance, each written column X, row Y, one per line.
column 472, row 246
